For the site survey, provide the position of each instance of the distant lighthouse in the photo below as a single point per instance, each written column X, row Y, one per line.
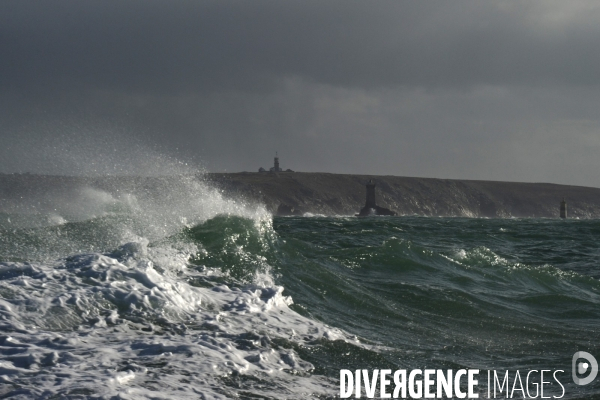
column 371, row 207
column 563, row 208
column 371, row 195
column 275, row 167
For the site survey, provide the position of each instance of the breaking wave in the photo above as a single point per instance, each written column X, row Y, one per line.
column 163, row 288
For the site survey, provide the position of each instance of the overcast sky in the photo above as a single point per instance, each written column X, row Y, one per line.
column 499, row 90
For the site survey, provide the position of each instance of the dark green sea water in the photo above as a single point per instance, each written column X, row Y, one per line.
column 447, row 292
column 369, row 293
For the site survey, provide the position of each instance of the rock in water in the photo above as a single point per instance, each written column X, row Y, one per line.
column 286, row 210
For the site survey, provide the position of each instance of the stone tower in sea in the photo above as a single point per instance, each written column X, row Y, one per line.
column 371, row 207
column 563, row 208
column 370, row 194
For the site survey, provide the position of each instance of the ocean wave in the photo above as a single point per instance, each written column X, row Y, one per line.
column 187, row 294
column 116, row 323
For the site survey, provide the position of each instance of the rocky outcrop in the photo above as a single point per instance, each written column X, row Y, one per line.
column 297, row 193
column 285, row 210
column 341, row 194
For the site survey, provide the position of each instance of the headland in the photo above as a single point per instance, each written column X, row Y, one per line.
column 299, row 193
column 344, row 194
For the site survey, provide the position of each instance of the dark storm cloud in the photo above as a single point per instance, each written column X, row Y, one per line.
column 191, row 46
column 504, row 90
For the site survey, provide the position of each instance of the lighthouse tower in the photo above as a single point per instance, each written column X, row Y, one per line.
column 563, row 208
column 275, row 167
column 370, row 195
column 371, row 207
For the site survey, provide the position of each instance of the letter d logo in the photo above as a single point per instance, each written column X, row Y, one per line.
column 582, row 367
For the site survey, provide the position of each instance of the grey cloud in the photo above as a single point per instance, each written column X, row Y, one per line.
column 191, row 46
column 504, row 90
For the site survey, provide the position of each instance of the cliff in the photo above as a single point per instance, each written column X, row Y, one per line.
column 340, row 194
column 320, row 193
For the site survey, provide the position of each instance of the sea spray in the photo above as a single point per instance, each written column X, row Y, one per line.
column 164, row 288
column 168, row 289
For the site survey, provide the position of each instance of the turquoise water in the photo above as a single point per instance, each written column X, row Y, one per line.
column 268, row 307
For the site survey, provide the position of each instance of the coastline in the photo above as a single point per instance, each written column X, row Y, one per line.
column 344, row 194
column 335, row 194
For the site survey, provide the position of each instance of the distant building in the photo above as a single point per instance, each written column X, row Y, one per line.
column 563, row 208
column 371, row 208
column 275, row 167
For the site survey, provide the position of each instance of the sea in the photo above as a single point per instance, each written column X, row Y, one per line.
column 187, row 294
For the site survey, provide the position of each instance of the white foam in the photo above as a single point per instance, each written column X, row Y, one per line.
column 114, row 325
column 130, row 323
